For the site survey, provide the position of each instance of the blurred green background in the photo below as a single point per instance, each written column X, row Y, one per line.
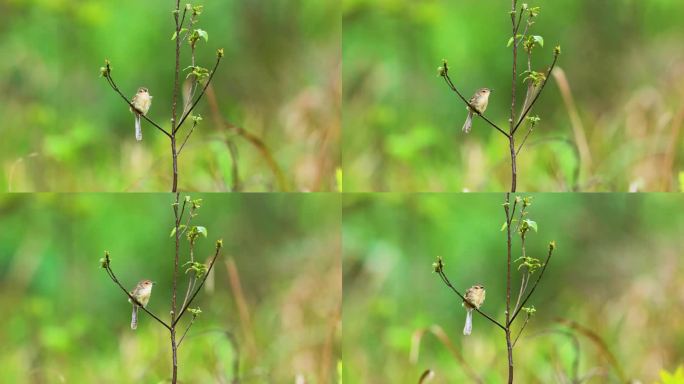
column 617, row 271
column 619, row 127
column 66, row 321
column 64, row 129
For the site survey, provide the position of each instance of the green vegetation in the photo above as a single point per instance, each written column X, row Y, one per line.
column 270, row 120
column 275, row 289
column 608, row 306
column 612, row 117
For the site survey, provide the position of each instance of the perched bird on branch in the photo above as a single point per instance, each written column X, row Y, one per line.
column 141, row 293
column 474, row 296
column 141, row 101
column 479, row 100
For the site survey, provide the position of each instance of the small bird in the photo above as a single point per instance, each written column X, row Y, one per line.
column 475, row 296
column 141, row 101
column 142, row 293
column 479, row 100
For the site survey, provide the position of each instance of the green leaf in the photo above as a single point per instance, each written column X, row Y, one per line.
column 534, row 11
column 533, row 119
column 173, row 37
column 529, row 310
column 531, row 224
column 504, row 226
column 202, row 230
column 173, row 230
column 195, row 311
column 197, row 267
column 539, row 40
column 531, row 263
column 512, row 39
column 203, row 34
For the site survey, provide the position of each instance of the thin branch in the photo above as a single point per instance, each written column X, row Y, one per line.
column 191, row 214
column 185, row 10
column 526, row 274
column 192, row 278
column 194, row 124
column 204, row 89
column 527, row 320
column 447, row 79
column 440, row 271
column 107, row 74
column 193, row 44
column 524, row 139
column 517, row 26
column 522, row 216
column 219, row 244
column 527, row 26
column 194, row 316
column 523, row 288
column 546, row 79
column 182, row 210
column 106, row 264
column 552, row 246
column 515, row 204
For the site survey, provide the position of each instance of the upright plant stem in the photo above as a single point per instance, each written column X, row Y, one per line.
column 174, row 153
column 509, row 344
column 174, row 100
column 511, row 130
column 174, row 346
column 174, row 189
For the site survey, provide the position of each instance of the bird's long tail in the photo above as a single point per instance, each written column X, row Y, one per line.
column 138, row 128
column 469, row 323
column 134, row 317
column 468, row 122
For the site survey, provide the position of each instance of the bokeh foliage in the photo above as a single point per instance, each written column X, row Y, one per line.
column 64, row 130
column 65, row 321
column 624, row 66
column 617, row 271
